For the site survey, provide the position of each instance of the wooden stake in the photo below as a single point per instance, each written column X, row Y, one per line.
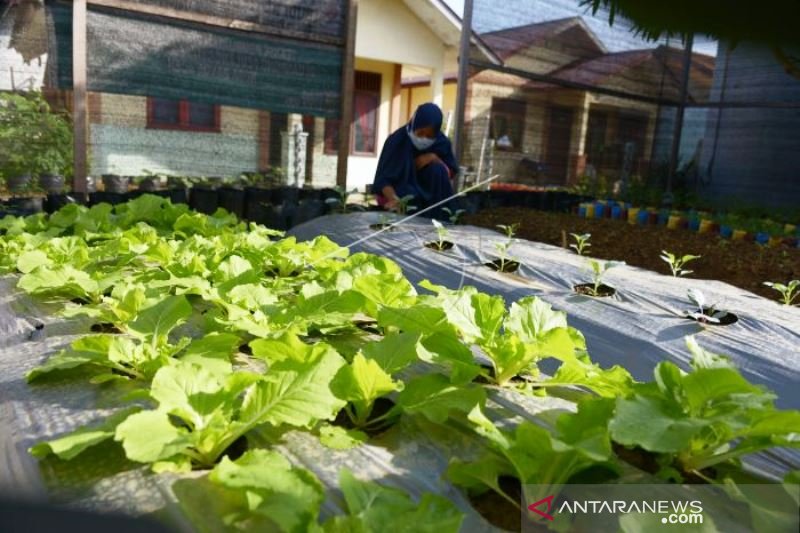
column 79, row 104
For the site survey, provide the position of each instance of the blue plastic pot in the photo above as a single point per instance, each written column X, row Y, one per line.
column 726, row 232
column 694, row 224
column 616, row 212
column 643, row 217
column 599, row 210
column 663, row 218
column 582, row 211
column 762, row 237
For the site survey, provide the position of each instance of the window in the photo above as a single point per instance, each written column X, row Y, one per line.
column 596, row 137
column 163, row 113
column 366, row 101
column 508, row 124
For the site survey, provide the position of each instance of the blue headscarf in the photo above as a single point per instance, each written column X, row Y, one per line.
column 427, row 115
column 396, row 163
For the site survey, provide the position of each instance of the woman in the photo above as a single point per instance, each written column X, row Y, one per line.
column 417, row 160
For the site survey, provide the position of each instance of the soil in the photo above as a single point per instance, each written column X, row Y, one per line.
column 587, row 289
column 105, row 327
column 434, row 245
column 497, row 510
column 379, row 408
column 743, row 264
column 648, row 462
column 507, row 267
column 378, row 227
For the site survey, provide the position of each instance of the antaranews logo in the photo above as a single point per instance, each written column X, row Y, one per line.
column 673, row 512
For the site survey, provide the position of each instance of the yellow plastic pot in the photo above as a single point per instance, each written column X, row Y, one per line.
column 590, row 211
column 739, row 235
column 633, row 212
column 789, row 228
column 674, row 222
column 775, row 240
column 705, row 226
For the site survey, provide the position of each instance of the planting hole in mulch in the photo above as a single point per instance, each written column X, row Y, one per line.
column 379, row 408
column 370, row 326
column 497, row 510
column 439, row 246
column 587, row 289
column 235, row 450
column 725, row 320
column 483, row 380
column 105, row 327
column 379, row 227
column 499, row 266
column 274, row 273
column 80, row 301
column 245, row 349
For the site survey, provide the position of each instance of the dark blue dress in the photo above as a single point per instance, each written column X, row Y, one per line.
column 427, row 185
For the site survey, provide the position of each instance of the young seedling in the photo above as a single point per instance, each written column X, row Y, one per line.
column 704, row 314
column 442, row 234
column 788, row 292
column 503, row 247
column 403, row 206
column 581, row 242
column 341, row 201
column 599, row 269
column 453, row 216
column 676, row 263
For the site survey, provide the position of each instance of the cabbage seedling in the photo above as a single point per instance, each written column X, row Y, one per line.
column 341, row 201
column 705, row 314
column 599, row 270
column 442, row 234
column 403, row 206
column 788, row 292
column 581, row 242
column 502, row 247
column 676, row 263
column 453, row 216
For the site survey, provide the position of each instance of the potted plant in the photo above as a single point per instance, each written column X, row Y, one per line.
column 35, row 141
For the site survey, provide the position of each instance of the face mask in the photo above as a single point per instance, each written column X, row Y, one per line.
column 420, row 143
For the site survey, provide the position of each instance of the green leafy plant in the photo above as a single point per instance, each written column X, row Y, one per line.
column 581, row 242
column 788, row 292
column 703, row 313
column 33, row 139
column 441, row 233
column 340, row 202
column 453, row 216
column 676, row 263
column 404, row 205
column 259, row 491
column 598, row 270
column 702, row 418
column 503, row 247
column 545, row 457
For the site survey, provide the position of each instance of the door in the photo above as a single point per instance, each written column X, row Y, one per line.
column 559, row 134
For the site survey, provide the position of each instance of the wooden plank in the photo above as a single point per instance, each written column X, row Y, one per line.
column 211, row 20
column 79, row 103
column 348, row 81
column 463, row 79
column 397, row 89
column 264, row 118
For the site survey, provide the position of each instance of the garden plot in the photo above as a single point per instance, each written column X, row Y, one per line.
column 226, row 374
column 642, row 324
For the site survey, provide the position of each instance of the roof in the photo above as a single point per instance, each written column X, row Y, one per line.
column 599, row 70
column 510, row 41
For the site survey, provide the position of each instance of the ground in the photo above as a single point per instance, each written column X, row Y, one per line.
column 744, row 264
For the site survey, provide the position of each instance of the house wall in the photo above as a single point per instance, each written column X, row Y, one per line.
column 120, row 142
column 755, row 156
column 412, row 97
column 360, row 168
column 388, row 31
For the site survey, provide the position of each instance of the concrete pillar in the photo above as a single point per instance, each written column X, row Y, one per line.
column 397, row 93
column 437, row 84
column 294, row 150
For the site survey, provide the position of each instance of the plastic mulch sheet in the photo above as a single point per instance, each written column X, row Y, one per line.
column 641, row 324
